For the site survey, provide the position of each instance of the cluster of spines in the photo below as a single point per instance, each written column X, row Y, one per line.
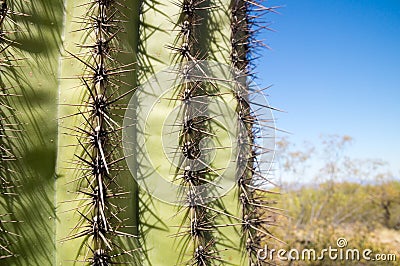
column 8, row 130
column 195, row 174
column 254, row 217
column 99, row 138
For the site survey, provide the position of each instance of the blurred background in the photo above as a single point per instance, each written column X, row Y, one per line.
column 334, row 67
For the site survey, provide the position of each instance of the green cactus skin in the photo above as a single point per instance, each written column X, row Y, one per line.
column 56, row 209
column 35, row 33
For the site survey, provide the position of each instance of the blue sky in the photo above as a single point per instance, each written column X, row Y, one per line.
column 335, row 69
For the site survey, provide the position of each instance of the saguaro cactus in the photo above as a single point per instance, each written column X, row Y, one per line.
column 82, row 140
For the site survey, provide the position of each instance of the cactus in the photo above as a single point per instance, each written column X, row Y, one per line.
column 74, row 171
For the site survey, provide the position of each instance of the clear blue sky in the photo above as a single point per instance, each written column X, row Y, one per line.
column 335, row 69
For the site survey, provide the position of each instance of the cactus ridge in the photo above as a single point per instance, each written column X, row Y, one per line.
column 98, row 138
column 198, row 227
column 255, row 208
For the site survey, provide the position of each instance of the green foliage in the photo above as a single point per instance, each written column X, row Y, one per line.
column 318, row 216
column 344, row 203
column 364, row 211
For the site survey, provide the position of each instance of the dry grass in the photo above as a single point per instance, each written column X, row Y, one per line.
column 364, row 228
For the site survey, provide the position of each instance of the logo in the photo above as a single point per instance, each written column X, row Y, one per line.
column 157, row 115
